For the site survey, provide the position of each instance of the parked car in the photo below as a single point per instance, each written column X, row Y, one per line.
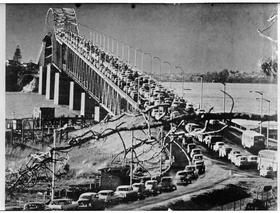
column 152, row 187
column 195, row 152
column 34, row 206
column 218, row 145
column 232, row 152
column 241, row 161
column 224, row 151
column 190, row 147
column 183, row 177
column 109, row 197
column 252, row 160
column 200, row 167
column 140, row 189
column 90, row 200
column 166, row 184
column 127, row 193
column 233, row 158
column 63, row 204
column 192, row 168
column 197, row 157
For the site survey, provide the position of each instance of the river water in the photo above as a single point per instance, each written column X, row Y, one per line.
column 20, row 104
column 244, row 101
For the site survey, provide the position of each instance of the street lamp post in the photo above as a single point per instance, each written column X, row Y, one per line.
column 155, row 57
column 201, row 92
column 131, row 163
column 150, row 73
column 166, row 62
column 178, row 67
column 53, row 164
column 186, row 89
column 224, row 99
column 261, row 106
column 267, row 129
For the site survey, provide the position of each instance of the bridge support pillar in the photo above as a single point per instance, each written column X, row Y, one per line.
column 49, row 83
column 75, row 96
column 42, row 81
column 97, row 113
column 87, row 105
column 61, row 89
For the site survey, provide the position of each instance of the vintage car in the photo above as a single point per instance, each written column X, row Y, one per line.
column 183, row 177
column 34, row 206
column 90, row 200
column 140, row 189
column 152, row 187
column 109, row 197
column 127, row 193
column 166, row 184
column 63, row 204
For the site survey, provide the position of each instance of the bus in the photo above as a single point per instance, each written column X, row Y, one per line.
column 252, row 139
column 267, row 163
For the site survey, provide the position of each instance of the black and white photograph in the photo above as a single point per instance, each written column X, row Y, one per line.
column 141, row 106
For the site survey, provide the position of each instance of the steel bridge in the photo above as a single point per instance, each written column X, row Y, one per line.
column 69, row 76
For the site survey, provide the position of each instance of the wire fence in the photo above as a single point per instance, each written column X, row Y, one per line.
column 263, row 200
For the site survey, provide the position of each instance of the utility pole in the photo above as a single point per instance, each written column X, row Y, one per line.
column 53, row 168
column 131, row 163
column 261, row 106
column 161, row 146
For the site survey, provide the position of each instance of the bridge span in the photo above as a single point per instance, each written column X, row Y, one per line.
column 75, row 71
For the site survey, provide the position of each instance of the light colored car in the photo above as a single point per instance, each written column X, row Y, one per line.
column 234, row 157
column 190, row 147
column 140, row 189
column 196, row 158
column 34, row 206
column 63, row 204
column 218, row 145
column 152, row 187
column 108, row 196
column 195, row 152
column 241, row 161
column 126, row 192
column 232, row 152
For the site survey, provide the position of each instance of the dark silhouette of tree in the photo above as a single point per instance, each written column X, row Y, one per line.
column 17, row 56
column 269, row 67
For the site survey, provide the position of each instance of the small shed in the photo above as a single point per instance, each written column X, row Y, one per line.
column 44, row 113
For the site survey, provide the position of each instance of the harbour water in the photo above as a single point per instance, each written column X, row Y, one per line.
column 20, row 104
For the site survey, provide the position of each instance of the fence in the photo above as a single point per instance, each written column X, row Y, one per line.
column 268, row 198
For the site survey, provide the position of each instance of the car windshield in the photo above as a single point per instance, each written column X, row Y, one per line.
column 104, row 193
column 34, row 206
column 124, row 189
column 62, row 202
column 254, row 158
column 85, row 197
column 182, row 173
column 166, row 180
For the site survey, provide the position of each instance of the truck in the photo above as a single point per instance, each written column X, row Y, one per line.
column 267, row 163
column 253, row 139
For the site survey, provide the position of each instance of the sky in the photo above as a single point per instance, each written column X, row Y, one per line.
column 197, row 37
